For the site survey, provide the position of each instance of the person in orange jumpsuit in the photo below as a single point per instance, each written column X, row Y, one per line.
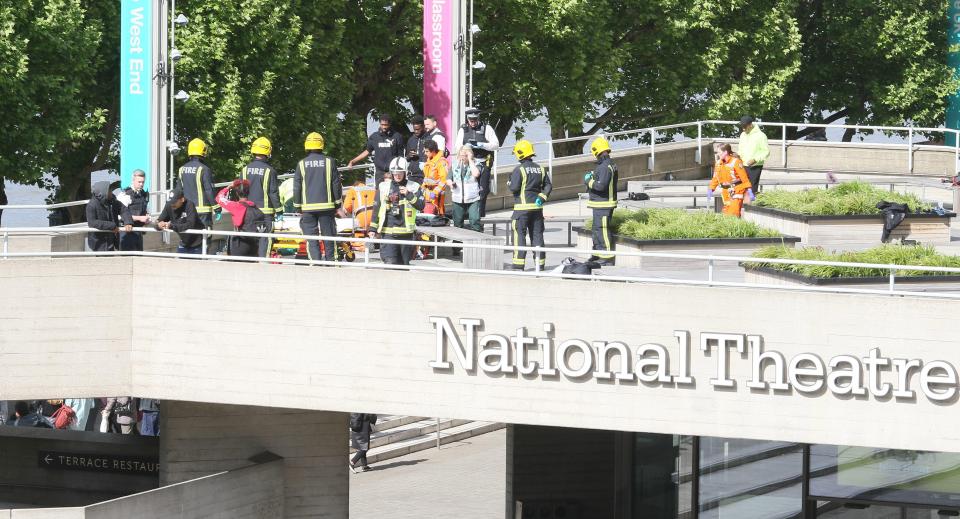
column 730, row 175
column 358, row 203
column 434, row 179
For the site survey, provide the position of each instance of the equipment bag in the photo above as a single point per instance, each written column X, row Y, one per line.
column 63, row 417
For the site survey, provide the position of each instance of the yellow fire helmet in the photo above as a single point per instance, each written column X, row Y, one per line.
column 197, row 148
column 599, row 145
column 262, row 146
column 314, row 142
column 523, row 149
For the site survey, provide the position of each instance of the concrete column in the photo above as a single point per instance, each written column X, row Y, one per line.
column 199, row 439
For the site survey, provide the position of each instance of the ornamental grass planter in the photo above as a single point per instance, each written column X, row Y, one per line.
column 759, row 274
column 850, row 232
column 704, row 246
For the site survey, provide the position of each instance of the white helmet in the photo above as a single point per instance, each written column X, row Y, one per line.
column 398, row 164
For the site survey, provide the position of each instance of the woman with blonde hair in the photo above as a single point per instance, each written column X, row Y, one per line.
column 465, row 189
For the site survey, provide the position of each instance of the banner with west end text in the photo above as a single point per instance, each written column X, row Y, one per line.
column 136, row 88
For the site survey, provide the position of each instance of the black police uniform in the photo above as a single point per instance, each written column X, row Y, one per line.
column 318, row 192
column 528, row 182
column 415, row 147
column 484, row 160
column 139, row 202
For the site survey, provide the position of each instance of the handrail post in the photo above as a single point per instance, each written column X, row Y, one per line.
column 956, row 155
column 6, row 244
column 536, row 258
column 699, row 154
column 550, row 158
column 652, row 162
column 710, row 270
column 783, row 146
column 910, row 150
column 203, row 244
column 366, row 252
column 892, row 275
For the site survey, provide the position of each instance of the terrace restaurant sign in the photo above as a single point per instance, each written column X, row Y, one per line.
column 868, row 373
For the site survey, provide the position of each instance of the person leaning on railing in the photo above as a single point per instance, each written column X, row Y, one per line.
column 180, row 215
column 104, row 213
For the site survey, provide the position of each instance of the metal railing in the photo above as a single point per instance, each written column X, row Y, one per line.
column 654, row 132
column 366, row 261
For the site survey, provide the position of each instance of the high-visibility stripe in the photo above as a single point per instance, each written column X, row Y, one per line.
column 523, row 187
column 322, row 206
column 527, row 207
column 303, row 184
column 329, row 176
column 517, row 260
column 606, row 204
column 396, row 230
column 605, row 233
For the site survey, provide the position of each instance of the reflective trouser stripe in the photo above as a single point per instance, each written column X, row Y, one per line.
column 602, row 238
column 519, row 256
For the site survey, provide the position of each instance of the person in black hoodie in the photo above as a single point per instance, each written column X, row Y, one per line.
column 179, row 215
column 3, row 198
column 104, row 213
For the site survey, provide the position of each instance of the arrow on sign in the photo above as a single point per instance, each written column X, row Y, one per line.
column 48, row 459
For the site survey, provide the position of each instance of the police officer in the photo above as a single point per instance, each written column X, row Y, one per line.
column 395, row 213
column 483, row 139
column 385, row 144
column 530, row 186
column 317, row 193
column 137, row 202
column 264, row 188
column 602, row 187
column 196, row 180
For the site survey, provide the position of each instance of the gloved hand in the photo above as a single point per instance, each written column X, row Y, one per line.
column 473, row 144
column 218, row 214
column 539, row 202
column 709, row 197
column 587, row 176
column 278, row 217
column 752, row 196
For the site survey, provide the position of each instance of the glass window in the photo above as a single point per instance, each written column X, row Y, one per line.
column 749, row 479
column 662, row 475
column 887, row 475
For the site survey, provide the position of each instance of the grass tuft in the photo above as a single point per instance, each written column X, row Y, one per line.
column 843, row 199
column 678, row 224
column 889, row 254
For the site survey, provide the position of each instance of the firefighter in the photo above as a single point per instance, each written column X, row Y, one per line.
column 530, row 186
column 317, row 193
column 483, row 139
column 730, row 175
column 264, row 188
column 395, row 213
column 602, row 187
column 196, row 180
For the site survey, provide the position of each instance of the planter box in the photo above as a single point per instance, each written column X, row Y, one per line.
column 850, row 232
column 769, row 276
column 712, row 246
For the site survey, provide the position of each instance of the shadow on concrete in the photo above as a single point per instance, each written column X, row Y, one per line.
column 386, row 466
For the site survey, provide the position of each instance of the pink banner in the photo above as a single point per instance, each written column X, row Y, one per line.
column 439, row 62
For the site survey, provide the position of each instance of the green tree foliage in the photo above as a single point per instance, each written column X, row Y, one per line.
column 58, row 91
column 284, row 69
column 881, row 62
column 629, row 64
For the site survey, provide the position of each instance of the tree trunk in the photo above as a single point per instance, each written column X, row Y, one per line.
column 565, row 149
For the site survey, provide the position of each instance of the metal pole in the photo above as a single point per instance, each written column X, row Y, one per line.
column 536, row 259
column 550, row 159
column 173, row 45
column 956, row 156
column 892, row 274
column 653, row 150
column 470, row 30
column 783, row 146
column 910, row 150
column 6, row 244
column 699, row 142
column 203, row 245
column 710, row 270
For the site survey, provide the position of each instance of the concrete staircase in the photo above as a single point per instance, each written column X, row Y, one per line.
column 396, row 436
